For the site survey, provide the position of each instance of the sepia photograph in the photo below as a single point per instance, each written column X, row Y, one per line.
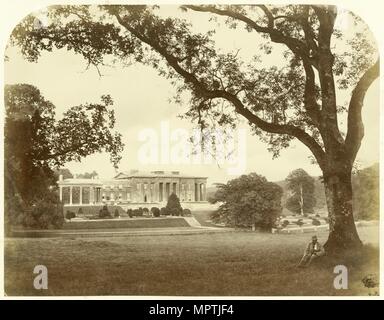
column 191, row 150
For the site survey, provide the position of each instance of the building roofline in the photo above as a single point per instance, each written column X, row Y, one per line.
column 160, row 176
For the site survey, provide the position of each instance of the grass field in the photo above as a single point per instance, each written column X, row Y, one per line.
column 90, row 210
column 126, row 223
column 233, row 263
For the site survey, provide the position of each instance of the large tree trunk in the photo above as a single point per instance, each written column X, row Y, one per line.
column 342, row 229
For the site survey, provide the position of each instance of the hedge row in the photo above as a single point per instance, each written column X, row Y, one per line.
column 157, row 212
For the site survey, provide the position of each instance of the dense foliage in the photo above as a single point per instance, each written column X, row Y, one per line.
column 366, row 200
column 35, row 144
column 104, row 213
column 155, row 211
column 173, row 206
column 250, row 200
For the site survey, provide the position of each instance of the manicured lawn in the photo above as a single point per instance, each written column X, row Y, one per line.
column 204, row 217
column 94, row 210
column 233, row 263
column 127, row 223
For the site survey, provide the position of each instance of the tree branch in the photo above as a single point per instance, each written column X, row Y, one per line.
column 296, row 46
column 291, row 130
column 355, row 131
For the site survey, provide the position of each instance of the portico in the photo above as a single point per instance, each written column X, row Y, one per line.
column 80, row 191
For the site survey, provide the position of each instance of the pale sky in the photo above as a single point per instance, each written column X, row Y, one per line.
column 141, row 100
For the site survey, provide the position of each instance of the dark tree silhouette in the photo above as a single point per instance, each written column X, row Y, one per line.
column 248, row 201
column 35, row 143
column 173, row 205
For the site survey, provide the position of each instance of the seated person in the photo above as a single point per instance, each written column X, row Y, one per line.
column 314, row 250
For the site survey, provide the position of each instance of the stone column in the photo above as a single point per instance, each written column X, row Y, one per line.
column 81, row 195
column 61, row 193
column 205, row 191
column 70, row 195
column 197, row 192
column 91, row 195
column 155, row 192
column 98, row 195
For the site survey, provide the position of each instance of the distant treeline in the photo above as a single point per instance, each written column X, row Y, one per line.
column 366, row 198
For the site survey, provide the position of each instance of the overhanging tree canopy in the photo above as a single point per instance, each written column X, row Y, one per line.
column 295, row 99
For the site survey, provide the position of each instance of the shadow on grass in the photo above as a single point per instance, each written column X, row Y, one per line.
column 362, row 268
column 224, row 264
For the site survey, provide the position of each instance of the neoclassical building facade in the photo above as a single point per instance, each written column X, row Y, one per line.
column 134, row 187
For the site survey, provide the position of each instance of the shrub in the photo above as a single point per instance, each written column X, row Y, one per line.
column 116, row 214
column 285, row 223
column 370, row 281
column 155, row 211
column 130, row 213
column 173, row 205
column 176, row 212
column 164, row 212
column 44, row 214
column 186, row 212
column 316, row 222
column 104, row 213
column 138, row 212
column 299, row 222
column 80, row 212
column 146, row 211
column 70, row 215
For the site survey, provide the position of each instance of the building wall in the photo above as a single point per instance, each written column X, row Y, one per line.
column 116, row 190
column 158, row 189
column 139, row 190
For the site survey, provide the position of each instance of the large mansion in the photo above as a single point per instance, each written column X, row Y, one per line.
column 133, row 187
